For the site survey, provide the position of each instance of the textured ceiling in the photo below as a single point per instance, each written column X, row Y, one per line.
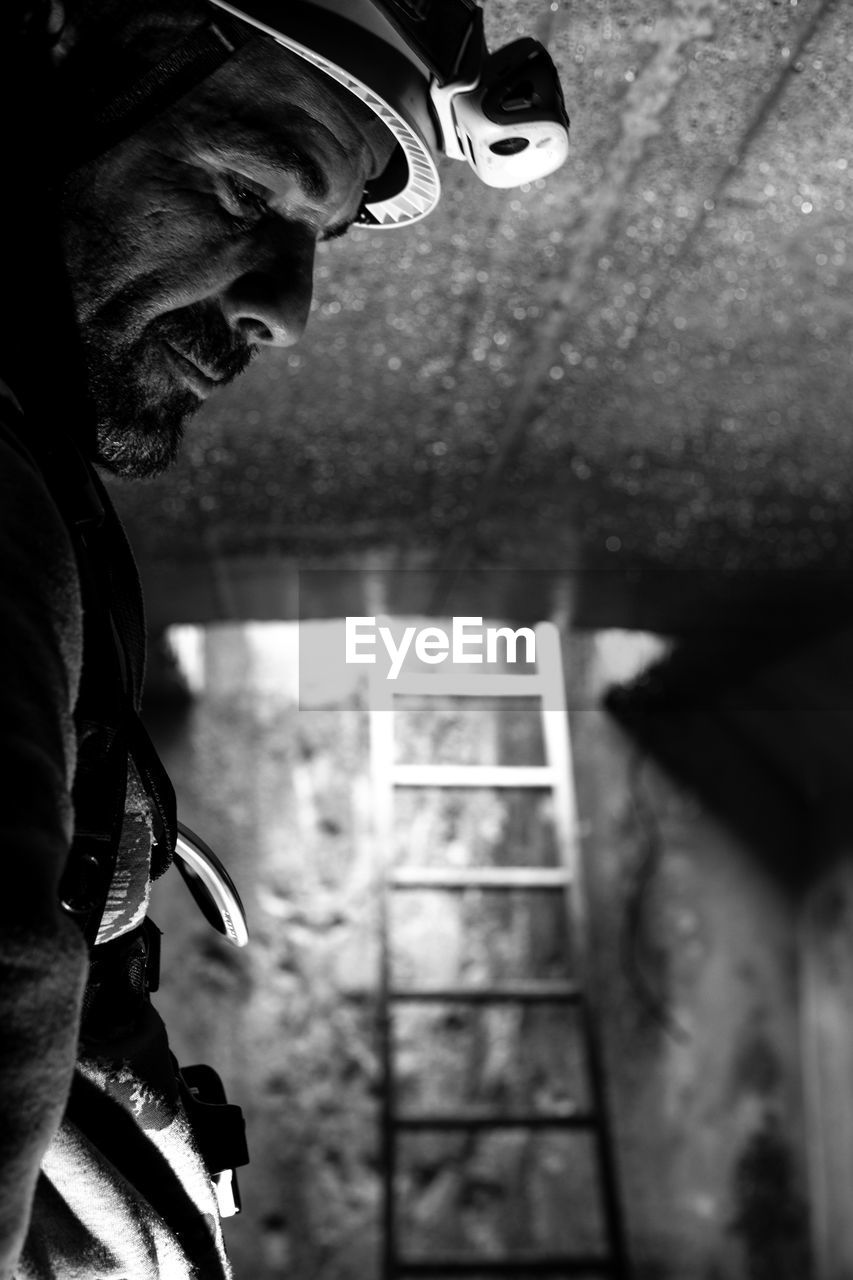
column 643, row 360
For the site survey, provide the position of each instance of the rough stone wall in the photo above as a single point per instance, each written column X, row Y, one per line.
column 277, row 793
column 702, row 1051
column 695, row 953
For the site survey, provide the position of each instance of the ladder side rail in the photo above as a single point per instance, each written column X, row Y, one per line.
column 608, row 1175
column 558, row 754
column 382, row 790
column 557, row 744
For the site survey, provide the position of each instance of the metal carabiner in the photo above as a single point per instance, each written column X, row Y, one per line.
column 210, row 884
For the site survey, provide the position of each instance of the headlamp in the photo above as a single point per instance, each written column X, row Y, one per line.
column 423, row 68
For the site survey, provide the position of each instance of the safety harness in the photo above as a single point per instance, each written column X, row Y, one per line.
column 109, row 728
column 123, row 972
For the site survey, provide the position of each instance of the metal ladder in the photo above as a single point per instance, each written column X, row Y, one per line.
column 555, row 775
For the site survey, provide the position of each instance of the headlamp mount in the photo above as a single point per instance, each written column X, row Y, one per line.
column 423, row 68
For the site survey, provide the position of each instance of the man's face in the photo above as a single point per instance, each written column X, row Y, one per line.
column 191, row 245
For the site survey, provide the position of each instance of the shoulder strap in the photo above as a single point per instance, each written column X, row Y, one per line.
column 107, row 714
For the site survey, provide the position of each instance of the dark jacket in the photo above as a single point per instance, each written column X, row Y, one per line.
column 99, row 1171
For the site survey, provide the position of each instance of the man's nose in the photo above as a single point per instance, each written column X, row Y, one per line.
column 269, row 302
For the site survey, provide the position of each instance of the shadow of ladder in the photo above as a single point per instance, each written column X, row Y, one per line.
column 546, row 685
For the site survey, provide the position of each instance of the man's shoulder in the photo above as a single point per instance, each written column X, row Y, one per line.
column 12, row 424
column 18, row 446
column 23, row 485
column 38, row 567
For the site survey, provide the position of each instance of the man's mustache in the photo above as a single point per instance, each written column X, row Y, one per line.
column 202, row 334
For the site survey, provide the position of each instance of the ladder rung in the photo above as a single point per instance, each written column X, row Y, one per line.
column 543, row 1264
column 542, row 992
column 473, row 775
column 467, row 686
column 496, row 1120
column 479, row 878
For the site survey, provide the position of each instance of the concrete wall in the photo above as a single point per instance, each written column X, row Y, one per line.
column 694, row 964
column 695, row 954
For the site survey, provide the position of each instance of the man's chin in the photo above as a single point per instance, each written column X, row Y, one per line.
column 144, row 391
column 143, row 444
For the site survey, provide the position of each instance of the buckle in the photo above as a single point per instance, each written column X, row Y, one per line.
column 220, row 1132
column 227, row 1193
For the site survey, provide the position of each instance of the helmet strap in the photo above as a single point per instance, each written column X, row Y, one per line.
column 197, row 56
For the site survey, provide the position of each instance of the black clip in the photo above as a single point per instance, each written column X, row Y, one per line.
column 220, row 1132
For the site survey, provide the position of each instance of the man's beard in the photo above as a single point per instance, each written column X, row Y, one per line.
column 141, row 406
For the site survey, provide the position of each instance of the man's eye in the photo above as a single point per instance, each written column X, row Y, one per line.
column 245, row 199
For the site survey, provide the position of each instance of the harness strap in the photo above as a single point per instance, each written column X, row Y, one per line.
column 107, row 715
column 109, row 724
column 122, row 974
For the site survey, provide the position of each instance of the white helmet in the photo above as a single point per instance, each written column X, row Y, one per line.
column 423, row 68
